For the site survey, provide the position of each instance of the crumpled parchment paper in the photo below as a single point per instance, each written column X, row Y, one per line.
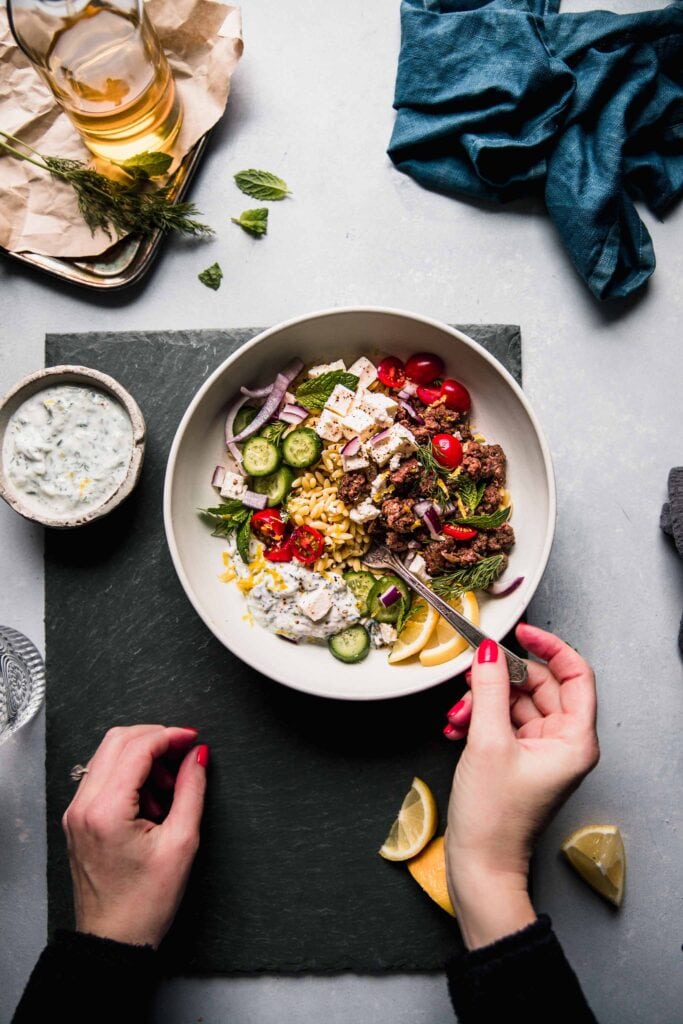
column 203, row 42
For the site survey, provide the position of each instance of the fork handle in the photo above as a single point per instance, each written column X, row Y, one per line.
column 474, row 636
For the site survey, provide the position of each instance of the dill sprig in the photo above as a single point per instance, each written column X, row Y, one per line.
column 472, row 577
column 110, row 205
column 429, row 463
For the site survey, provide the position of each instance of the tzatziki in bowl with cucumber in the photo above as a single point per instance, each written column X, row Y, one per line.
column 372, row 427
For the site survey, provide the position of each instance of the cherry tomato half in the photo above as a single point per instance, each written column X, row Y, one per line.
column 456, row 394
column 281, row 552
column 424, row 367
column 429, row 395
column 391, row 372
column 459, row 532
column 447, row 450
column 308, row 544
column 267, row 525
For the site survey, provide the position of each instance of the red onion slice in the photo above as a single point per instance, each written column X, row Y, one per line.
column 408, row 390
column 257, row 392
column 390, row 596
column 413, row 413
column 253, row 500
column 351, row 448
column 378, row 438
column 420, row 507
column 292, row 413
column 218, row 476
column 431, row 520
column 271, row 404
column 501, row 588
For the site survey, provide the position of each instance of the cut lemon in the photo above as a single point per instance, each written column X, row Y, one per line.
column 429, row 870
column 415, row 633
column 445, row 642
column 597, row 853
column 415, row 824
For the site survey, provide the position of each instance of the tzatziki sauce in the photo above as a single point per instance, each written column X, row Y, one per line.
column 286, row 597
column 67, row 449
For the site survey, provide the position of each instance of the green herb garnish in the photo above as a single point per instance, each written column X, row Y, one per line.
column 243, row 537
column 405, row 612
column 253, row 221
column 261, row 185
column 470, row 491
column 313, row 393
column 110, row 205
column 450, row 585
column 490, row 522
column 212, row 276
column 147, row 164
column 429, row 463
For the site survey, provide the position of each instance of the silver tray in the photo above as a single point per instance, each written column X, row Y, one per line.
column 129, row 259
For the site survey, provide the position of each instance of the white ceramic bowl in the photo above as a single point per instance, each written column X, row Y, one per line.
column 500, row 411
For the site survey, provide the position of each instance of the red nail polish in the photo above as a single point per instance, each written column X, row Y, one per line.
column 451, row 733
column 203, row 755
column 455, row 709
column 188, row 728
column 488, row 652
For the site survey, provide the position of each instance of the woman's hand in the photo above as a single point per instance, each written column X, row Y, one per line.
column 525, row 753
column 129, row 874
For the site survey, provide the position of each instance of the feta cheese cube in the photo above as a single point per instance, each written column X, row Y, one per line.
column 359, row 461
column 315, row 371
column 357, row 424
column 388, row 633
column 418, row 567
column 234, row 485
column 315, row 604
column 365, row 371
column 394, row 462
column 382, row 408
column 399, row 441
column 329, row 426
column 379, row 483
column 340, row 400
column 364, row 511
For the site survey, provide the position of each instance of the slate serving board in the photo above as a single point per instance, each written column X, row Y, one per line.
column 302, row 789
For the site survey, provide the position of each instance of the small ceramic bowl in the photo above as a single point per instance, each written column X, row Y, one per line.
column 50, row 377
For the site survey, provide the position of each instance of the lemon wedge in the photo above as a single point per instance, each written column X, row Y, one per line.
column 445, row 642
column 597, row 853
column 415, row 633
column 415, row 824
column 428, row 869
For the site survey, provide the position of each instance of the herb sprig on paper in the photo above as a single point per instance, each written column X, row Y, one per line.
column 253, row 221
column 313, row 393
column 212, row 276
column 262, row 185
column 114, row 207
column 450, row 585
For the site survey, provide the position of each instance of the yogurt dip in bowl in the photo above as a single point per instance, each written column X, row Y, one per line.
column 72, row 444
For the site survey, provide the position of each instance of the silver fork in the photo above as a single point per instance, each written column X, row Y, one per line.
column 380, row 557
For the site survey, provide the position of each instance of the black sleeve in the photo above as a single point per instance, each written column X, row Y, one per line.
column 83, row 978
column 523, row 977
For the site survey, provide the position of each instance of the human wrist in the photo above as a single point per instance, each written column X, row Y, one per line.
column 490, row 905
column 118, row 931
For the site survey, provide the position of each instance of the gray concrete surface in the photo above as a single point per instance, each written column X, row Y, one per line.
column 312, row 101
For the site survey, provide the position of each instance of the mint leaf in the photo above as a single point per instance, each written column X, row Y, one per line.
column 404, row 613
column 491, row 522
column 147, row 165
column 253, row 221
column 243, row 538
column 226, row 518
column 261, row 185
column 313, row 394
column 211, row 277
column 469, row 491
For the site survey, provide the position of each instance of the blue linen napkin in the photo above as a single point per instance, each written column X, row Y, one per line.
column 502, row 98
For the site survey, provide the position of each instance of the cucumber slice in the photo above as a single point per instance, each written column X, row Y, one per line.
column 360, row 584
column 243, row 419
column 260, row 457
column 302, row 448
column 376, row 609
column 351, row 645
column 277, row 486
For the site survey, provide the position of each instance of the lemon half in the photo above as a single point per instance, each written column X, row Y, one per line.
column 415, row 824
column 415, row 633
column 597, row 853
column 445, row 643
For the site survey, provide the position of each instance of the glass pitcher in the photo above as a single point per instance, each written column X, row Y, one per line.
column 105, row 65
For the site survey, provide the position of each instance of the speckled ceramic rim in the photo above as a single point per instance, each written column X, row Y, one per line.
column 250, row 654
column 49, row 377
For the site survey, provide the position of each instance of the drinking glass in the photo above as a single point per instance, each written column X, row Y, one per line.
column 22, row 681
column 105, row 65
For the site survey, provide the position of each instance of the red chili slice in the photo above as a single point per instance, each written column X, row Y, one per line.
column 280, row 553
column 307, row 543
column 391, row 372
column 459, row 532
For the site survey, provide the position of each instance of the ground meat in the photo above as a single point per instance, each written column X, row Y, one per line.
column 426, row 485
column 484, row 461
column 439, row 419
column 492, row 542
column 406, row 477
column 451, row 554
column 490, row 500
column 398, row 514
column 397, row 541
column 353, row 486
column 420, row 433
